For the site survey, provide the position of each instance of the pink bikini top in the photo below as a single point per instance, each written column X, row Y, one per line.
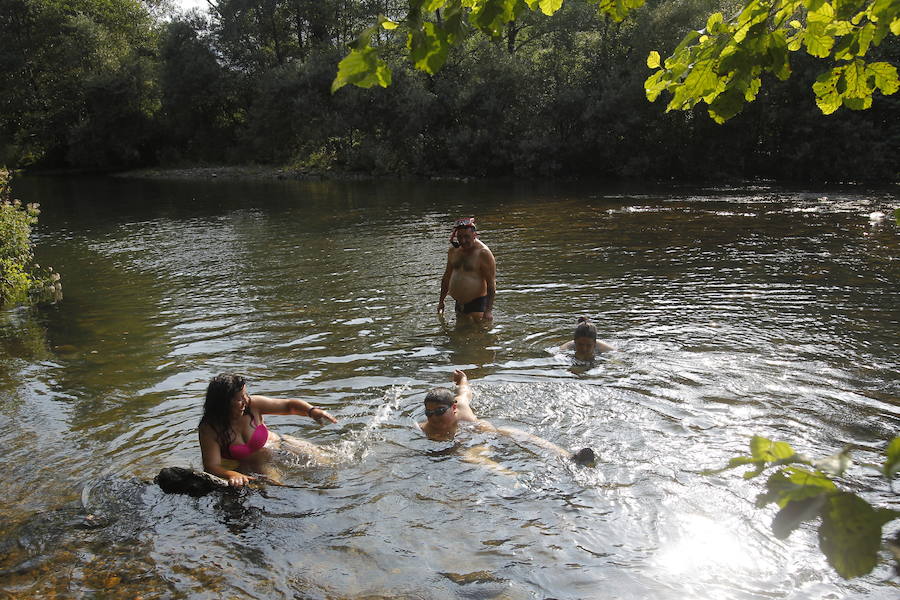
column 257, row 440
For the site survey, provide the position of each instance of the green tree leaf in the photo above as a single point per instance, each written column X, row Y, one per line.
column 796, row 513
column 768, row 450
column 850, row 535
column 778, row 55
column 818, row 42
column 701, row 81
column 428, row 47
column 491, row 15
column 617, row 9
column 725, row 106
column 884, row 76
column 794, row 484
column 825, row 88
column 548, row 7
column 713, row 22
column 653, row 60
column 892, row 462
column 362, row 68
column 432, row 5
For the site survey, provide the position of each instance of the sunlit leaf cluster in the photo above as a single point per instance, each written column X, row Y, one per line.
column 722, row 64
column 850, row 528
column 432, row 27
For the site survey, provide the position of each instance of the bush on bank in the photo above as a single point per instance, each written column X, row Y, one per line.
column 21, row 279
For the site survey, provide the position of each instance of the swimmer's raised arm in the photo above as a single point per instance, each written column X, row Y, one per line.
column 463, row 391
column 463, row 396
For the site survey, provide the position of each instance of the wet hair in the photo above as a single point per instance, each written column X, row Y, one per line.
column 585, row 329
column 440, row 396
column 217, row 406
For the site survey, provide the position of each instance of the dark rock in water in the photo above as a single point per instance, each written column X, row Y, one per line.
column 179, row 480
column 585, row 457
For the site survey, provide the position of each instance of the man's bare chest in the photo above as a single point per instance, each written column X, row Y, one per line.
column 465, row 262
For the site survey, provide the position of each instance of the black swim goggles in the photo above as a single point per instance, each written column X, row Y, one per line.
column 437, row 412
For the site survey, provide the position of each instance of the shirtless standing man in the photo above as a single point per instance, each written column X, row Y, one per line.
column 471, row 274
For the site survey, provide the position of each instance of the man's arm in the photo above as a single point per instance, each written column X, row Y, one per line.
column 489, row 274
column 524, row 436
column 463, row 397
column 445, row 282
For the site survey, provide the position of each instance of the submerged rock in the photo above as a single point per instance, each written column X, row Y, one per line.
column 180, row 480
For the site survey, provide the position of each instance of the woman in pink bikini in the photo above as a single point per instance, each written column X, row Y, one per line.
column 232, row 428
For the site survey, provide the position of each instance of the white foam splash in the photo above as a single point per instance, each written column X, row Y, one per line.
column 355, row 447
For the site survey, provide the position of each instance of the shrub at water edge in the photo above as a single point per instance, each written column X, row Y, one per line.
column 21, row 279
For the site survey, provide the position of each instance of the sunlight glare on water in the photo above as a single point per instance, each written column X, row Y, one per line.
column 708, row 545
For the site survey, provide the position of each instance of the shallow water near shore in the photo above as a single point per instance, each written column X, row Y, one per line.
column 733, row 312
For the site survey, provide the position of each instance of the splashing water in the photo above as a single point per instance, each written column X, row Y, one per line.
column 355, row 446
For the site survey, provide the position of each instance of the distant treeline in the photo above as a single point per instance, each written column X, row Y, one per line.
column 109, row 84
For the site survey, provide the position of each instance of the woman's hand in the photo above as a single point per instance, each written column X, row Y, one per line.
column 318, row 415
column 236, row 479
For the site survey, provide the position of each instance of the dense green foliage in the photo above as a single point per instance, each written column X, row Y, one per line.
column 722, row 64
column 849, row 527
column 20, row 279
column 102, row 84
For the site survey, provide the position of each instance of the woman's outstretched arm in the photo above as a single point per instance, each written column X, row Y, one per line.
column 290, row 406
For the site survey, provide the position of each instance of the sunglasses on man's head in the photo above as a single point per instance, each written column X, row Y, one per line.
column 437, row 412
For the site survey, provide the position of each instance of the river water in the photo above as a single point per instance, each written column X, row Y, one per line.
column 733, row 312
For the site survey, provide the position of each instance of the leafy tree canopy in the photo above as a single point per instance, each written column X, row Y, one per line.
column 720, row 65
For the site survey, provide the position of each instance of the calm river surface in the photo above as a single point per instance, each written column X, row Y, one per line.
column 734, row 312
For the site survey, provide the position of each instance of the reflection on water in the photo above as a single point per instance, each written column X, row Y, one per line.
column 732, row 312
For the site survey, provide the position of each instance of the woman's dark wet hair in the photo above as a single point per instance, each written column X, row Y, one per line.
column 217, row 406
column 440, row 396
column 585, row 329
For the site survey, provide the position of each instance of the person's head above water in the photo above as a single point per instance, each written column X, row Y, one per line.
column 440, row 404
column 224, row 396
column 464, row 232
column 585, row 338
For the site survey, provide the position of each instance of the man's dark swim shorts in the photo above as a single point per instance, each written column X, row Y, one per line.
column 476, row 305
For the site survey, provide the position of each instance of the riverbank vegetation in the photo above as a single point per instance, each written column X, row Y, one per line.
column 21, row 279
column 113, row 84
